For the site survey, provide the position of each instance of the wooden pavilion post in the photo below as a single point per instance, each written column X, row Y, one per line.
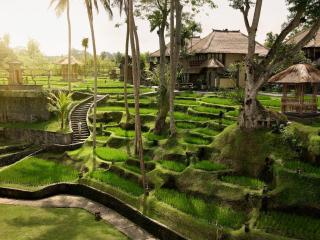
column 284, row 98
column 301, row 100
column 315, row 97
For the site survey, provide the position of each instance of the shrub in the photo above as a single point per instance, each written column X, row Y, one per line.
column 244, row 181
column 209, row 166
column 173, row 166
column 111, row 154
column 117, row 182
column 198, row 208
column 314, row 144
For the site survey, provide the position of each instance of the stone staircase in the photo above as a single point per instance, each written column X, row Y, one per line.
column 79, row 114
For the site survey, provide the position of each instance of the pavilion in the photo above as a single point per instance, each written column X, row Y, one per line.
column 74, row 68
column 298, row 78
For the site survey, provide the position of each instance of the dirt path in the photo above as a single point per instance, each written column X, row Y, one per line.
column 122, row 224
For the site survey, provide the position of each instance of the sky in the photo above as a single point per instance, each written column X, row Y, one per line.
column 34, row 19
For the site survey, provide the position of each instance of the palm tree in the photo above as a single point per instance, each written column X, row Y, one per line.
column 61, row 6
column 60, row 103
column 136, row 80
column 85, row 45
column 123, row 5
column 89, row 6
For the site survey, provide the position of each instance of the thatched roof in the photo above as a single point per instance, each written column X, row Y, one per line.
column 315, row 42
column 190, row 43
column 65, row 61
column 300, row 73
column 220, row 41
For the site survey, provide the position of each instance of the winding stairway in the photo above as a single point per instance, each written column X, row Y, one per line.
column 79, row 114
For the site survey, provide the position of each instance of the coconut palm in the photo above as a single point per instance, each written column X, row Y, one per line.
column 134, row 40
column 61, row 6
column 85, row 45
column 89, row 6
column 60, row 104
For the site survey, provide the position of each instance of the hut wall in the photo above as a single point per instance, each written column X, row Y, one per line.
column 233, row 58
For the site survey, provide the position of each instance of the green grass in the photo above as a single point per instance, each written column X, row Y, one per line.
column 173, row 166
column 289, row 225
column 117, row 182
column 200, row 209
column 102, row 138
column 36, row 171
column 209, row 166
column 189, row 94
column 186, row 125
column 207, row 131
column 112, row 154
column 197, row 140
column 208, row 109
column 218, row 101
column 305, row 167
column 132, row 168
column 52, row 125
column 186, row 102
column 121, row 132
column 187, row 117
column 151, row 111
column 21, row 222
column 252, row 183
column 154, row 137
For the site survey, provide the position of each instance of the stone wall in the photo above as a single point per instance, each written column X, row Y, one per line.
column 37, row 136
column 23, row 106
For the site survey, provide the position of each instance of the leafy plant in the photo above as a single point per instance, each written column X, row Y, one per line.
column 111, row 154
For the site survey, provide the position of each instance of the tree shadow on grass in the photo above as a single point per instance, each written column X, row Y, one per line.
column 61, row 224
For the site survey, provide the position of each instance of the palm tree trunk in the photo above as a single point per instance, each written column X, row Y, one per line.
column 69, row 45
column 85, row 62
column 136, row 81
column 94, row 132
column 175, row 39
column 160, row 124
column 126, row 65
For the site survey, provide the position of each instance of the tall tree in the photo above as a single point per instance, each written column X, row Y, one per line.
column 175, row 46
column 89, row 7
column 123, row 6
column 85, row 45
column 258, row 72
column 157, row 12
column 61, row 6
column 134, row 42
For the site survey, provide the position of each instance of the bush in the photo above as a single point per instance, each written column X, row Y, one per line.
column 111, row 154
column 198, row 208
column 210, row 166
column 314, row 144
column 117, row 182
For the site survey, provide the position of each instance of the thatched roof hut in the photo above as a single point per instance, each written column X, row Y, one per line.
column 219, row 41
column 298, row 76
column 74, row 68
column 300, row 73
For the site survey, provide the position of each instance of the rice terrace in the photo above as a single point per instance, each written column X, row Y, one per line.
column 165, row 119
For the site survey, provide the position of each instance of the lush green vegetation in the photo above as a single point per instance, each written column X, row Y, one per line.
column 173, row 166
column 121, row 132
column 290, row 225
column 209, row 166
column 116, row 181
column 112, row 154
column 19, row 222
column 198, row 208
column 36, row 171
column 244, row 181
column 305, row 167
column 198, row 140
